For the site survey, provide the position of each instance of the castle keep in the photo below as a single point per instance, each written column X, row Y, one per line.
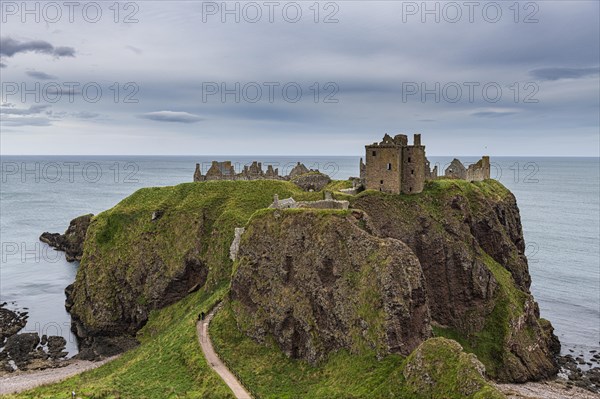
column 394, row 166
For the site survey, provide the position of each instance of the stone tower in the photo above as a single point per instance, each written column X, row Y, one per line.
column 393, row 166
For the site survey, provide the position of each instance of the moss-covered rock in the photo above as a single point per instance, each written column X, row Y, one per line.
column 72, row 241
column 156, row 246
column 469, row 241
column 312, row 181
column 439, row 368
column 319, row 281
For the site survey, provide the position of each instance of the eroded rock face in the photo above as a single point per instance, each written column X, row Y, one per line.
column 116, row 290
column 72, row 241
column 319, row 281
column 313, row 181
column 471, row 248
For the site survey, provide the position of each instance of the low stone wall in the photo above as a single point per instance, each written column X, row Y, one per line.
column 290, row 203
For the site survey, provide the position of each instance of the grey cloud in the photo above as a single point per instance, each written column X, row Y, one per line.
column 2, row 65
column 10, row 47
column 32, row 110
column 134, row 49
column 492, row 114
column 171, row 116
column 86, row 115
column 27, row 121
column 564, row 73
column 41, row 75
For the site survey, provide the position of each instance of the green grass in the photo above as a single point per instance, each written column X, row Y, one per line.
column 168, row 363
column 271, row 375
column 201, row 217
column 337, row 185
column 198, row 222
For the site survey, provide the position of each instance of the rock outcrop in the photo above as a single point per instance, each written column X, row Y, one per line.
column 469, row 242
column 319, row 281
column 312, row 181
column 72, row 241
column 26, row 351
column 152, row 249
column 440, row 368
column 11, row 322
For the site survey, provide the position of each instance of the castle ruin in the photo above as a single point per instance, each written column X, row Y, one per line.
column 394, row 166
column 478, row 171
column 225, row 171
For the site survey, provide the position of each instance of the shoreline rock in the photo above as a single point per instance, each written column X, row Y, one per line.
column 71, row 242
column 11, row 322
column 27, row 351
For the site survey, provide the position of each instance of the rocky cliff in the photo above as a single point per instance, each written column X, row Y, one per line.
column 376, row 278
column 319, row 281
column 469, row 241
column 71, row 242
column 152, row 249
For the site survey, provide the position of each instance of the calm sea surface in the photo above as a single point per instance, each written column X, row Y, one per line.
column 558, row 199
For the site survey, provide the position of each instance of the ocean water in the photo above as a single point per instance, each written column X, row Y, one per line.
column 559, row 200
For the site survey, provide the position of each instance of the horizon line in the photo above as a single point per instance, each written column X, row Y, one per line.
column 283, row 155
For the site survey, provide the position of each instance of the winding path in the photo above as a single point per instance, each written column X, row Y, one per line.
column 213, row 360
column 22, row 381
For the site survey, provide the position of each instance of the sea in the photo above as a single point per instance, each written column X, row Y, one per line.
column 559, row 200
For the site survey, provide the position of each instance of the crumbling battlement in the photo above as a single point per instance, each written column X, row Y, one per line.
column 226, row 171
column 394, row 166
column 478, row 171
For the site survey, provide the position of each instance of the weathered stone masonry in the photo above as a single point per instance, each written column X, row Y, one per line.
column 394, row 166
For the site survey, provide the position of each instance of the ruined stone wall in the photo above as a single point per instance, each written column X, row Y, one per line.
column 327, row 203
column 413, row 169
column 456, row 170
column 383, row 168
column 479, row 171
column 226, row 171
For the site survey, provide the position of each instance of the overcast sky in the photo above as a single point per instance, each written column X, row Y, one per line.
column 187, row 78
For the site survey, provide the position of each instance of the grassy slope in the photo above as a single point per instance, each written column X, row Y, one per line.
column 169, row 363
column 271, row 375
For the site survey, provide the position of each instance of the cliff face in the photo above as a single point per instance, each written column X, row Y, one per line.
column 152, row 249
column 319, row 281
column 469, row 242
column 375, row 278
